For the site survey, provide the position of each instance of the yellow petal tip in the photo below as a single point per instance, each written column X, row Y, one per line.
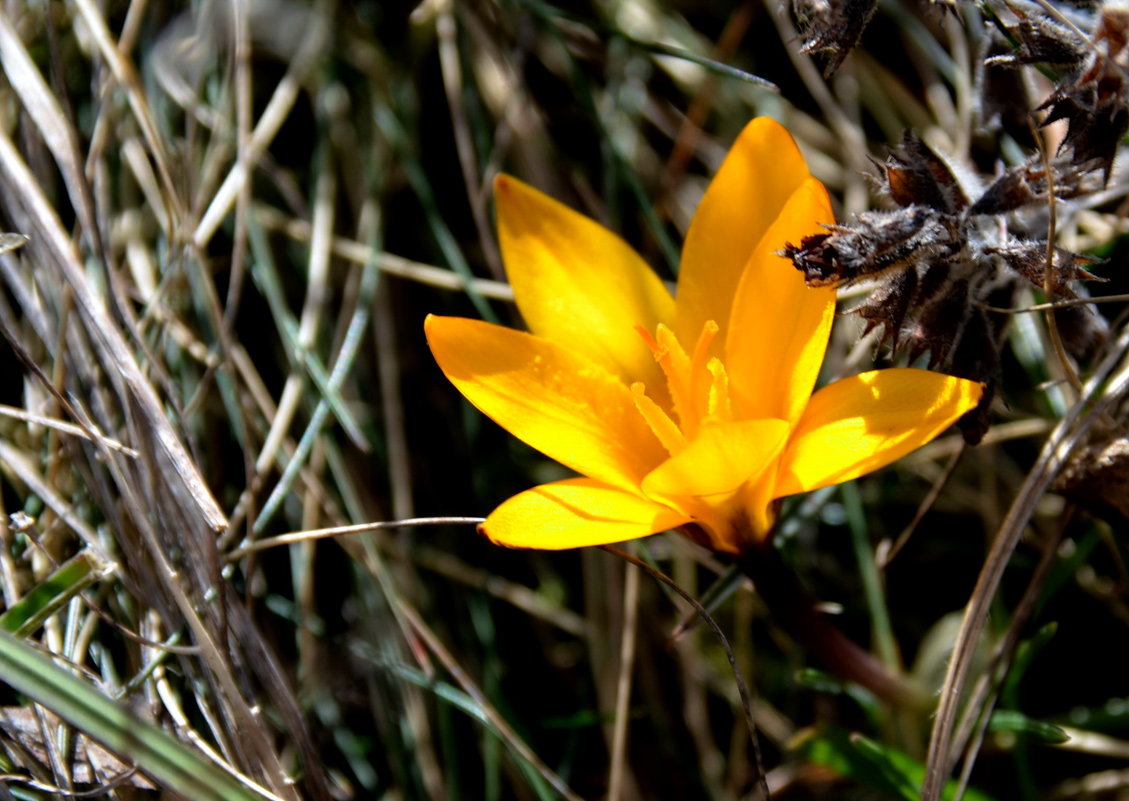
column 482, row 531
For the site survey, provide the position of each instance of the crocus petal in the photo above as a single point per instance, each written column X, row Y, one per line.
column 575, row 513
column 719, row 460
column 567, row 407
column 578, row 284
column 864, row 422
column 778, row 332
column 718, row 481
column 761, row 172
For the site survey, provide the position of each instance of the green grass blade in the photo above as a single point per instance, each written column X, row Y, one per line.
column 874, row 765
column 172, row 764
column 264, row 272
column 67, row 581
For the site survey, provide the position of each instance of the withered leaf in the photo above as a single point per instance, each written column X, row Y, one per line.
column 1097, row 119
column 1094, row 97
column 888, row 305
column 941, row 317
column 90, row 762
column 940, row 265
column 1001, row 98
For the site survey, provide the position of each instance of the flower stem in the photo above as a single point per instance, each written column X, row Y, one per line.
column 794, row 610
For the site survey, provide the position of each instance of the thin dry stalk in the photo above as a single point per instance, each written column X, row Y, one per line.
column 1108, row 384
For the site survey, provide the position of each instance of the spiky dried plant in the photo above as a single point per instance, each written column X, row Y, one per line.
column 949, row 255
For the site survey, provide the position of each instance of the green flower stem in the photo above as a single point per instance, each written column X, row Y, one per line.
column 794, row 611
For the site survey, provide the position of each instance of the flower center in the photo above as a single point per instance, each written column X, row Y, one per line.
column 698, row 386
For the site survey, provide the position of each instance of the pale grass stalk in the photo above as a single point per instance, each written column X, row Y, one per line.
column 513, row 741
column 888, row 549
column 687, row 646
column 761, row 788
column 173, row 706
column 534, row 603
column 358, row 253
column 618, row 778
column 265, row 405
column 126, row 76
column 312, row 310
column 11, row 583
column 303, row 567
column 269, row 123
column 982, row 699
column 184, row 484
column 336, row 531
column 453, row 87
column 1066, row 436
column 67, row 428
column 58, row 247
column 21, row 466
column 1063, row 360
column 389, row 369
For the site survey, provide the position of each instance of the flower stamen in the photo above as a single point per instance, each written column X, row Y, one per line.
column 700, row 379
column 675, row 364
column 698, row 383
column 720, row 409
column 666, row 430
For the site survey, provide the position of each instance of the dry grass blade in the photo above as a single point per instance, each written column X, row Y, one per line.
column 43, row 107
column 271, row 119
column 760, row 781
column 887, row 550
column 23, row 468
column 337, row 531
column 618, row 777
column 1109, row 383
column 65, row 427
column 435, row 646
column 162, row 490
column 80, row 704
column 982, row 700
column 389, row 263
column 125, row 74
column 453, row 85
column 51, row 246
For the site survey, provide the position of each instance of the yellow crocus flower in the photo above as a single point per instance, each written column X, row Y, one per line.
column 694, row 411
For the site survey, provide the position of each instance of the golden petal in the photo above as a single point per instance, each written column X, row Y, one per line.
column 578, row 284
column 864, row 422
column 779, row 329
column 575, row 513
column 562, row 404
column 719, row 460
column 764, row 167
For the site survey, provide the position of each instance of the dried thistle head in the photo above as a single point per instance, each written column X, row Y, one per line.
column 1028, row 185
column 942, row 263
column 945, row 254
column 1040, row 39
column 1089, row 57
column 832, row 27
column 1097, row 475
